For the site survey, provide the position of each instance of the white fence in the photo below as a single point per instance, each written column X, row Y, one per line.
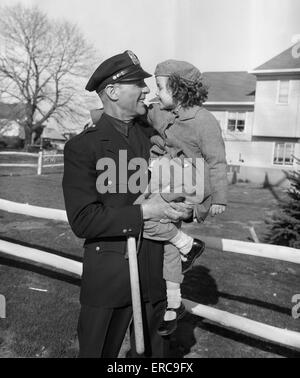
column 223, row 318
column 44, row 160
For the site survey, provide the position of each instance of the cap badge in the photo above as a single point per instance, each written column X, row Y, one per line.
column 121, row 73
column 133, row 57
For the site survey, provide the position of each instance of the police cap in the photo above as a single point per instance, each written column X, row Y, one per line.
column 117, row 69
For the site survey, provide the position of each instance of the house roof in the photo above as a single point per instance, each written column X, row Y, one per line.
column 11, row 111
column 283, row 61
column 11, row 128
column 50, row 133
column 230, row 86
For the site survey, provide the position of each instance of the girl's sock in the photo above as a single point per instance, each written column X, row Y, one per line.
column 183, row 242
column 173, row 299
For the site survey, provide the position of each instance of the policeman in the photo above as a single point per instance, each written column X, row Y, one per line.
column 106, row 219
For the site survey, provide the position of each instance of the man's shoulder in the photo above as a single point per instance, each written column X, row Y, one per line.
column 82, row 138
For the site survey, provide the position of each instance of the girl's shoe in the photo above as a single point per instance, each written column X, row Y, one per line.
column 168, row 326
column 196, row 251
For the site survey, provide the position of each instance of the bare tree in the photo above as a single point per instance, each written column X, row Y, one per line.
column 42, row 64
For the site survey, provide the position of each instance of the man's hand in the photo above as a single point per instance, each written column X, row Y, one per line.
column 186, row 210
column 217, row 209
column 157, row 209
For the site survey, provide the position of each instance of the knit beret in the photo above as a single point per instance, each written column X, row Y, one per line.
column 182, row 69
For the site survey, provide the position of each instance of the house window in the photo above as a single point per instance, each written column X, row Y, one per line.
column 283, row 153
column 283, row 91
column 236, row 122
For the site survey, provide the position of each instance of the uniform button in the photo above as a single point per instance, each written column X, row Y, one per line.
column 109, row 182
column 97, row 249
column 130, row 230
column 125, row 230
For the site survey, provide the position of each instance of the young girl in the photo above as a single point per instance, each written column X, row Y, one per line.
column 186, row 129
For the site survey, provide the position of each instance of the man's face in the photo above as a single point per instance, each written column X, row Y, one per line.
column 131, row 98
column 163, row 93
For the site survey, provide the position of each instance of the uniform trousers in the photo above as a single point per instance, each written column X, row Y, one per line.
column 101, row 331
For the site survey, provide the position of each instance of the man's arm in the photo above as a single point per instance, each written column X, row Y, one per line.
column 88, row 217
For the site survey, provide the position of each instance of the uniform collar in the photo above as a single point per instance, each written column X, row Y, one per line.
column 113, row 137
column 122, row 127
column 186, row 113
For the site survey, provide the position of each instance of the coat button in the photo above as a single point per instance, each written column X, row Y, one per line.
column 98, row 249
column 130, row 230
column 109, row 182
column 124, row 231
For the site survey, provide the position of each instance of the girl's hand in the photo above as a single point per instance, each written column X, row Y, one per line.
column 217, row 209
column 185, row 211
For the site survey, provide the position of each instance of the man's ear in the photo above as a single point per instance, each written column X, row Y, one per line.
column 112, row 92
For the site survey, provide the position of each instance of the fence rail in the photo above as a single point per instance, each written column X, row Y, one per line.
column 33, row 211
column 44, row 160
column 240, row 323
column 9, row 153
column 21, row 165
column 269, row 251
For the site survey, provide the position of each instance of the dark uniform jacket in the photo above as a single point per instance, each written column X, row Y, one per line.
column 106, row 220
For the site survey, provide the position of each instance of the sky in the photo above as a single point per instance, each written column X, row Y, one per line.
column 214, row 35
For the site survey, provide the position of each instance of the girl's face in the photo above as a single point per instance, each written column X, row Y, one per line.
column 163, row 93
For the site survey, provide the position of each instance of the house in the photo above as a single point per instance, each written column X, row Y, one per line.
column 259, row 113
column 276, row 125
column 53, row 138
column 231, row 98
column 14, row 111
column 11, row 133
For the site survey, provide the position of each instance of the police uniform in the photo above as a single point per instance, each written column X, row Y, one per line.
column 105, row 221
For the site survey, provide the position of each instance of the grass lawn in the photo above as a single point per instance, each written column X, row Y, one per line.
column 43, row 323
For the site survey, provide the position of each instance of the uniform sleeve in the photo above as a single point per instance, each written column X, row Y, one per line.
column 87, row 215
column 213, row 149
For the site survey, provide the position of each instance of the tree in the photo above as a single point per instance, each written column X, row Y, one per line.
column 42, row 66
column 284, row 226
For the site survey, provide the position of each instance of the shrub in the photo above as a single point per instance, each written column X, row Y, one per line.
column 284, row 225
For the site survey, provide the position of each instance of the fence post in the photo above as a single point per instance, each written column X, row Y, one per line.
column 40, row 163
column 2, row 307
